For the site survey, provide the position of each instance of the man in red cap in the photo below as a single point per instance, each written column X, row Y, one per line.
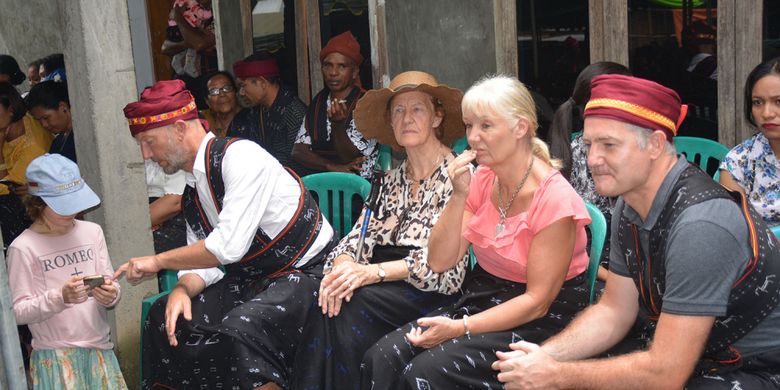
column 246, row 213
column 275, row 113
column 691, row 299
column 328, row 139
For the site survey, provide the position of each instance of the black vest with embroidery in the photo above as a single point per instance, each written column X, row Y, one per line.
column 266, row 257
column 753, row 296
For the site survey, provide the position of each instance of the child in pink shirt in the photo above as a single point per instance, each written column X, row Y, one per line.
column 47, row 265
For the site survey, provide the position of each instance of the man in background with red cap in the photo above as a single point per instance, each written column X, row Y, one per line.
column 328, row 139
column 245, row 212
column 275, row 113
column 693, row 261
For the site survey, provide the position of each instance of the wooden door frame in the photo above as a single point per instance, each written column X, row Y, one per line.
column 739, row 50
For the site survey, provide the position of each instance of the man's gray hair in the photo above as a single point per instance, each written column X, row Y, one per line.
column 643, row 135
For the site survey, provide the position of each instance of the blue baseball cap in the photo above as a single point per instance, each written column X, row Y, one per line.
column 57, row 180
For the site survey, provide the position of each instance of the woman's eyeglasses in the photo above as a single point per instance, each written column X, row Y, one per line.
column 220, row 91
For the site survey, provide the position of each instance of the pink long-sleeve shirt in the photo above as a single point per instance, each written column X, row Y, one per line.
column 39, row 266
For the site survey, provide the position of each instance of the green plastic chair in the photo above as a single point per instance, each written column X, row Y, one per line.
column 598, row 234
column 776, row 231
column 460, row 145
column 385, row 160
column 334, row 193
column 168, row 278
column 703, row 152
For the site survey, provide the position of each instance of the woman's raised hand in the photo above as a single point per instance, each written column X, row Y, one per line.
column 459, row 171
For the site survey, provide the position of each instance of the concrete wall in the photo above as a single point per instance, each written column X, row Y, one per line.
column 101, row 76
column 455, row 46
column 30, row 29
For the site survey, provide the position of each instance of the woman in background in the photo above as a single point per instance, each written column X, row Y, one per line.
column 222, row 100
column 9, row 70
column 568, row 121
column 49, row 104
column 22, row 139
column 752, row 167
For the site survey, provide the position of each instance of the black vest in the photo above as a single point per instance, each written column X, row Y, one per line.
column 753, row 296
column 266, row 257
column 316, row 116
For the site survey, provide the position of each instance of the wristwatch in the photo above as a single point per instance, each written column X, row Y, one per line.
column 381, row 272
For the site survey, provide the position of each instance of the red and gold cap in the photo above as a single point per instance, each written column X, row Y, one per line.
column 636, row 101
column 162, row 104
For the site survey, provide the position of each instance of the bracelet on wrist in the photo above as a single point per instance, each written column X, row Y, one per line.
column 466, row 325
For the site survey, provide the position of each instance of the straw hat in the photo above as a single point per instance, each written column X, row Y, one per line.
column 372, row 113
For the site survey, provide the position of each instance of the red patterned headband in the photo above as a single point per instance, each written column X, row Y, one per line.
column 139, row 124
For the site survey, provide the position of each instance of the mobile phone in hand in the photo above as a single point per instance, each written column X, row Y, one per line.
column 93, row 281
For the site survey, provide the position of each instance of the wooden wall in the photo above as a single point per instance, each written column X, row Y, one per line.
column 158, row 11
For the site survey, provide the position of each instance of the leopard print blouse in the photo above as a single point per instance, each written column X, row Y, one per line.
column 401, row 221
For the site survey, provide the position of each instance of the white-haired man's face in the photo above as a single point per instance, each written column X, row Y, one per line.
column 161, row 146
column 616, row 158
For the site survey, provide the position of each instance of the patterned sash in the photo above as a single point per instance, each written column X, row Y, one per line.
column 266, row 256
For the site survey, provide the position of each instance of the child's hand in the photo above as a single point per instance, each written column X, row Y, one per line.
column 106, row 293
column 74, row 290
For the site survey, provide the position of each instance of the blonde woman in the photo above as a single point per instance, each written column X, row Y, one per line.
column 526, row 226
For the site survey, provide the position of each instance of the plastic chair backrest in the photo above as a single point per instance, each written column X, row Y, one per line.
column 703, row 152
column 334, row 193
column 598, row 234
column 385, row 160
column 460, row 145
column 168, row 279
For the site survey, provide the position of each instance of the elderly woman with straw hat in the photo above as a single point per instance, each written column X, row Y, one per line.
column 391, row 283
column 525, row 224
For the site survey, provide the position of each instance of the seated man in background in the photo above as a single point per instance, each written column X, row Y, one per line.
column 694, row 259
column 328, row 139
column 275, row 113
